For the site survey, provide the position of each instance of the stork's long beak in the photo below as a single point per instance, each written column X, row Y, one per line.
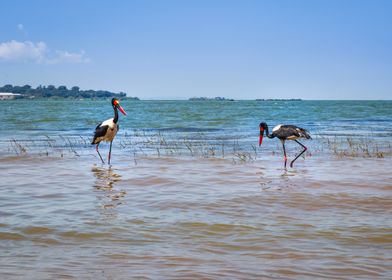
column 121, row 109
column 261, row 136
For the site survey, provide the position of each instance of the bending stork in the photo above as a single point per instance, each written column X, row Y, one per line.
column 285, row 132
column 106, row 130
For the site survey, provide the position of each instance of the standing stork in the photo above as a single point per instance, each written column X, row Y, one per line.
column 283, row 133
column 106, row 130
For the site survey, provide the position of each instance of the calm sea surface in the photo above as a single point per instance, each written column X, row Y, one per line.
column 190, row 195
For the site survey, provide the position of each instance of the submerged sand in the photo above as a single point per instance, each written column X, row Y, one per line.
column 174, row 218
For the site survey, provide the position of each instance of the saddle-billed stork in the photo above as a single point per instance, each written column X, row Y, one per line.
column 283, row 133
column 106, row 130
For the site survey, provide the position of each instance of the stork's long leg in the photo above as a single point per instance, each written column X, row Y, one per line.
column 110, row 152
column 304, row 150
column 96, row 148
column 284, row 152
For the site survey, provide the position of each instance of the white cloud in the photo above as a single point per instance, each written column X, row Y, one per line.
column 14, row 50
column 68, row 57
column 38, row 52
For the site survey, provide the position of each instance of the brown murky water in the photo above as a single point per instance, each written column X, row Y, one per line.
column 189, row 218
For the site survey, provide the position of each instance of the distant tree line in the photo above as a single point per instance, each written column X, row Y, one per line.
column 51, row 91
column 209, row 99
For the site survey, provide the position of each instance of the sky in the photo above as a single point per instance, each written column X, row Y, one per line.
column 331, row 49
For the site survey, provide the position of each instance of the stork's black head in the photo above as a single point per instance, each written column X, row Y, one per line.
column 114, row 101
column 116, row 104
column 263, row 126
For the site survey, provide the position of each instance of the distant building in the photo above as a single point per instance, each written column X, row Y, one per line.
column 8, row 95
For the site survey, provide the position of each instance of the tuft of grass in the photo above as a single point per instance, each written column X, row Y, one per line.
column 18, row 147
column 200, row 145
column 357, row 147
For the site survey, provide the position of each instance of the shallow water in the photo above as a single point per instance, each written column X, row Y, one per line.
column 190, row 196
column 175, row 218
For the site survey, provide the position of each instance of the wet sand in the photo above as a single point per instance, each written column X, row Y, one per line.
column 190, row 218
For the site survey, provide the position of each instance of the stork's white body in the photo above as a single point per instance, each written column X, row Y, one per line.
column 110, row 132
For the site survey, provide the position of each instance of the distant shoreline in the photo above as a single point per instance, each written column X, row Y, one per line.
column 51, row 92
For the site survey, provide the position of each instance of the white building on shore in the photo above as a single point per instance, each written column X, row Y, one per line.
column 8, row 95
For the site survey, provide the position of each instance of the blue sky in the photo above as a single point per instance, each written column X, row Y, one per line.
column 180, row 49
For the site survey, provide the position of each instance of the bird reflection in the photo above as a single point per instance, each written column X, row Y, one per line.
column 278, row 179
column 106, row 180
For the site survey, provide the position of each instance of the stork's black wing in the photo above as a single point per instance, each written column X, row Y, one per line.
column 288, row 130
column 99, row 132
column 303, row 133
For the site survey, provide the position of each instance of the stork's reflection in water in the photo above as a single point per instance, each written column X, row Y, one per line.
column 105, row 185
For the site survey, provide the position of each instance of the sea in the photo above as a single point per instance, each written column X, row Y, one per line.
column 190, row 194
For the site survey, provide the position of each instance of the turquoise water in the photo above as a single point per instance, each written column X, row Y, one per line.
column 214, row 122
column 80, row 117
